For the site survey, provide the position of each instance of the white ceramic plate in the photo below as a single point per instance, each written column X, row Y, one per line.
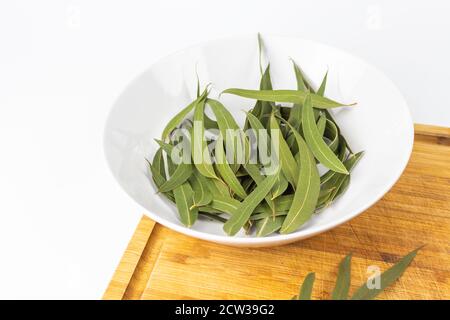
column 380, row 124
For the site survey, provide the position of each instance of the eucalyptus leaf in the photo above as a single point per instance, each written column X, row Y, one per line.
column 307, row 193
column 178, row 118
column 182, row 172
column 314, row 139
column 184, row 202
column 202, row 193
column 307, row 287
column 321, row 90
column 387, row 278
column 200, row 153
column 268, row 225
column 288, row 165
column 225, row 171
column 342, row 287
column 321, row 123
column 292, row 96
column 245, row 209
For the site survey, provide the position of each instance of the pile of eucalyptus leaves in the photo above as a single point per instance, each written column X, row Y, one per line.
column 243, row 195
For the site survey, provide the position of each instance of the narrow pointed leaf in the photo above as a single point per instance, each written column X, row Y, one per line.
column 210, row 123
column 230, row 131
column 321, row 123
column 288, row 165
column 178, row 118
column 387, row 278
column 267, row 214
column 256, row 175
column 349, row 164
column 299, row 77
column 307, row 192
column 184, row 201
column 202, row 193
column 295, row 117
column 307, row 287
column 268, row 225
column 245, row 209
column 158, row 180
column 280, row 186
column 321, row 90
column 340, row 291
column 200, row 153
column 224, row 204
column 315, row 141
column 158, row 162
column 292, row 96
column 182, row 172
column 282, row 203
column 331, row 132
column 266, row 107
column 225, row 171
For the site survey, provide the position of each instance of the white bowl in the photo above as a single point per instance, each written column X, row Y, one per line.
column 380, row 124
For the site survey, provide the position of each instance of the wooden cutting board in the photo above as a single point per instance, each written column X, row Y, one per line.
column 162, row 264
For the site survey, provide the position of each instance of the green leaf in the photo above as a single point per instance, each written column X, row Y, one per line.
column 225, row 171
column 387, row 278
column 288, row 165
column 321, row 123
column 341, row 154
column 342, row 148
column 202, row 192
column 266, row 107
column 200, row 152
column 324, row 197
column 295, row 117
column 178, row 118
column 210, row 123
column 267, row 214
column 280, row 186
column 182, row 172
column 337, row 181
column 245, row 209
column 158, row 162
column 307, row 286
column 268, row 225
column 341, row 138
column 342, row 286
column 158, row 180
column 308, row 188
column 230, row 131
column 315, row 141
column 299, row 77
column 258, row 127
column 292, row 96
column 282, row 203
column 224, row 118
column 321, row 90
column 184, row 201
column 255, row 174
column 332, row 133
column 224, row 204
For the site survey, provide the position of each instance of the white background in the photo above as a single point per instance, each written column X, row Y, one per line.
column 64, row 222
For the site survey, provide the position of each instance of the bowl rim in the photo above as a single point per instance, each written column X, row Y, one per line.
column 309, row 231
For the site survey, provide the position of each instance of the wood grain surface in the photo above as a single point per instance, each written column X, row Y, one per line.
column 162, row 264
